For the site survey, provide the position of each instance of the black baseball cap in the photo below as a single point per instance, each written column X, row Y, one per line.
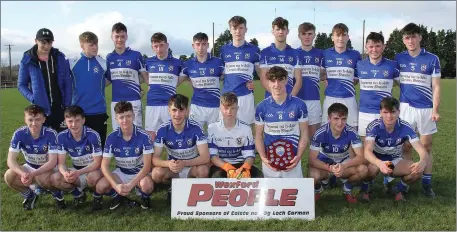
column 44, row 34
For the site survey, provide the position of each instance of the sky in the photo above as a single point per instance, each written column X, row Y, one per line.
column 181, row 20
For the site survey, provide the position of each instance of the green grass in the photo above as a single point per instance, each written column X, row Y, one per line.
column 332, row 213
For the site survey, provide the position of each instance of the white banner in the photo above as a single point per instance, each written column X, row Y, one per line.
column 244, row 199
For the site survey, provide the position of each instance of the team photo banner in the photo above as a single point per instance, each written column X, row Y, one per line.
column 245, row 199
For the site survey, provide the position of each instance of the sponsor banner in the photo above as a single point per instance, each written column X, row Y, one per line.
column 244, row 199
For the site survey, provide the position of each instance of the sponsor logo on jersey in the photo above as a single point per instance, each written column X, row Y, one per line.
column 402, row 65
column 169, row 143
column 329, row 61
column 363, row 72
column 117, row 150
column 272, row 58
column 423, row 67
column 349, row 61
column 269, row 115
column 228, row 56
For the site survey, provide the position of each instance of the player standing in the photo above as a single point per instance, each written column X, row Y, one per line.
column 420, row 90
column 164, row 72
column 124, row 67
column 330, row 153
column 205, row 72
column 311, row 58
column 281, row 128
column 241, row 59
column 383, row 148
column 132, row 149
column 340, row 63
column 282, row 55
column 231, row 144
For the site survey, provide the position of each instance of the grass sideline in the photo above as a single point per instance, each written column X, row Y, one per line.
column 332, row 212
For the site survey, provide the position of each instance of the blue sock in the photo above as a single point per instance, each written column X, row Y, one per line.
column 401, row 186
column 365, row 185
column 143, row 194
column 76, row 192
column 112, row 193
column 347, row 187
column 96, row 195
column 57, row 195
column 28, row 194
column 426, row 179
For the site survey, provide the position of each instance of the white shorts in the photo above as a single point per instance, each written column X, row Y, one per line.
column 294, row 173
column 246, row 111
column 349, row 102
column 204, row 115
column 82, row 180
column 184, row 172
column 136, row 110
column 364, row 120
column 420, row 119
column 314, row 111
column 155, row 116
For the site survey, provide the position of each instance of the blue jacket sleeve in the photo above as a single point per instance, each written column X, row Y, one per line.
column 67, row 83
column 24, row 80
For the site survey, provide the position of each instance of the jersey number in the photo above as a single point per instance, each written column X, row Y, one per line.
column 339, row 62
column 335, row 149
column 280, row 116
column 161, row 69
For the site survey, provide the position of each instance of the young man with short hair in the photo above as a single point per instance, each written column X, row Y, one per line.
column 39, row 146
column 45, row 69
column 330, row 153
column 126, row 72
column 376, row 76
column 88, row 71
column 231, row 144
column 164, row 72
column 132, row 149
column 339, row 64
column 383, row 149
column 241, row 59
column 84, row 147
column 185, row 143
column 281, row 129
column 204, row 71
column 420, row 90
column 311, row 58
column 282, row 55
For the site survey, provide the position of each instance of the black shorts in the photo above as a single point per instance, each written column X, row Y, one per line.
column 56, row 119
column 98, row 122
column 217, row 172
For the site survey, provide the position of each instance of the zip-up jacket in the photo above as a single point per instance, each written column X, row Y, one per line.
column 40, row 91
column 88, row 75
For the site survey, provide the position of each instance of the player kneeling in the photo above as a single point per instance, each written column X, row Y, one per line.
column 39, row 146
column 185, row 143
column 231, row 144
column 383, row 149
column 132, row 149
column 330, row 153
column 83, row 145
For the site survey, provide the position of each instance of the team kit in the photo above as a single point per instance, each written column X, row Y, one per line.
column 220, row 132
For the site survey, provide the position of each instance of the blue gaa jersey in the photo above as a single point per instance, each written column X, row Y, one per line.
column 88, row 76
column 281, row 122
column 416, row 75
column 341, row 71
column 287, row 59
column 240, row 65
column 331, row 149
column 205, row 80
column 81, row 152
column 388, row 146
column 35, row 150
column 124, row 73
column 181, row 146
column 129, row 154
column 376, row 82
column 163, row 79
column 233, row 146
column 311, row 70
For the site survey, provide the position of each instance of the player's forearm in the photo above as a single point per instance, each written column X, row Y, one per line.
column 250, row 161
column 323, row 74
column 436, row 98
column 13, row 165
column 358, row 159
column 316, row 163
column 369, row 155
column 92, row 167
column 107, row 83
column 141, row 174
column 107, row 172
column 259, row 146
column 158, row 162
column 298, row 82
column 423, row 154
column 217, row 161
column 295, row 89
column 46, row 167
column 356, row 81
column 200, row 160
column 62, row 168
